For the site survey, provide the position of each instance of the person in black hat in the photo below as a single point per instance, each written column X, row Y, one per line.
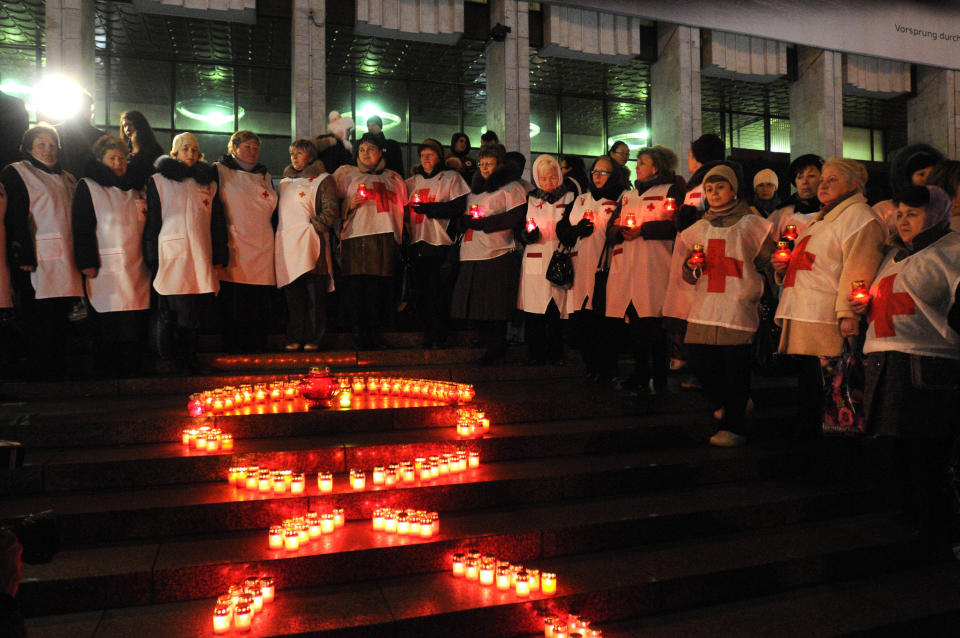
column 705, row 152
column 393, row 154
column 803, row 205
column 910, row 166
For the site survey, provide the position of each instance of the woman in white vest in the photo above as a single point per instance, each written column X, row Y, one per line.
column 541, row 301
column 40, row 243
column 727, row 288
column 109, row 214
column 250, row 205
column 641, row 244
column 308, row 209
column 430, row 241
column 184, row 239
column 841, row 245
column 374, row 198
column 584, row 229
column 912, row 365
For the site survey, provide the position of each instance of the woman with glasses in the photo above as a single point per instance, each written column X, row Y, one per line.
column 642, row 241
column 584, row 229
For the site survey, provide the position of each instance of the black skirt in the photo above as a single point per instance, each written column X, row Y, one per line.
column 486, row 290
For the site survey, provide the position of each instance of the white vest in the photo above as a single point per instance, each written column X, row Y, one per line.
column 297, row 246
column 586, row 252
column 442, row 187
column 695, row 198
column 478, row 245
column 6, row 288
column 51, row 197
column 640, row 269
column 783, row 217
column 730, row 287
column 910, row 301
column 382, row 212
column 123, row 282
column 535, row 290
column 185, row 246
column 248, row 201
column 810, row 283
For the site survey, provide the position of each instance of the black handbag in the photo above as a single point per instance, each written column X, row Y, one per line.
column 560, row 268
column 599, row 301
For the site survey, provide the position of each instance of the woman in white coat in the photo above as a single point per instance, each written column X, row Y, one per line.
column 541, row 301
column 40, row 241
column 184, row 239
column 307, row 211
column 250, row 205
column 109, row 214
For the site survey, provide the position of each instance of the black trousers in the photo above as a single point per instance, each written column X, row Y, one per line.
column 368, row 301
column 119, row 339
column 649, row 342
column 544, row 335
column 433, row 290
column 724, row 372
column 246, row 314
column 306, row 307
column 597, row 338
column 810, row 397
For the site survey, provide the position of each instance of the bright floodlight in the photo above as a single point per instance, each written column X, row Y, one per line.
column 56, row 98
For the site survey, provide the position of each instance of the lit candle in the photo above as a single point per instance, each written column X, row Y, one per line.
column 268, row 588
column 782, row 253
column 253, row 477
column 594, row 633
column 426, row 527
column 474, row 459
column 790, row 233
column 579, row 624
column 358, row 479
column 473, row 569
column 434, row 469
column 459, row 566
column 276, row 537
column 859, row 292
column 303, row 534
column 279, row 485
column 213, row 443
column 559, row 631
column 200, row 441
column 338, row 518
column 298, row 483
column 254, row 590
column 416, row 525
column 475, row 211
column 246, row 599
column 531, row 224
column 390, row 522
column 416, row 198
column 234, row 592
column 409, row 474
column 242, row 617
column 669, row 205
column 292, row 540
column 346, row 399
column 697, row 256
column 425, row 474
column 444, row 465
column 226, row 441
column 588, row 215
column 358, row 386
column 630, row 220
column 434, row 518
column 403, row 523
column 266, row 481
column 548, row 582
column 378, row 520
column 327, row 523
column 548, row 624
column 221, row 618
column 533, row 576
column 325, row 481
column 418, row 462
column 503, row 579
column 362, row 191
column 485, row 422
column 486, row 575
column 523, row 583
column 186, row 434
column 379, row 475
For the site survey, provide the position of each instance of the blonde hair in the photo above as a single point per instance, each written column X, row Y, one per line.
column 548, row 162
column 852, row 170
column 182, row 140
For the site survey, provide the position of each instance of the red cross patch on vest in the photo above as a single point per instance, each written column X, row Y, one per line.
column 718, row 266
column 800, row 259
column 885, row 305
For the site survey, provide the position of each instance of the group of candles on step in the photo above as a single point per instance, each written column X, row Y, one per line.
column 407, row 522
column 241, row 603
column 486, row 570
column 258, row 479
column 573, row 627
column 297, row 532
column 206, row 439
column 229, row 398
column 472, row 423
column 444, row 391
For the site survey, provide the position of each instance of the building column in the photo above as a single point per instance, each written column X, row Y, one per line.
column 675, row 89
column 508, row 77
column 933, row 116
column 816, row 103
column 70, row 42
column 309, row 114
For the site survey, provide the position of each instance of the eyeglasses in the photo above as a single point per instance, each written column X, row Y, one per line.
column 625, row 153
column 596, row 172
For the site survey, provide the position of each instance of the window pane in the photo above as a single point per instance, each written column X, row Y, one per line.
column 582, row 126
column 264, row 95
column 779, row 135
column 434, row 112
column 627, row 122
column 212, row 145
column 710, row 122
column 204, row 100
column 386, row 98
column 748, row 132
column 128, row 91
column 856, row 143
column 878, row 148
column 543, row 115
column 18, row 74
column 474, row 114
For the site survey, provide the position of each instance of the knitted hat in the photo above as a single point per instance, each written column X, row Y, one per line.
column 801, row 163
column 921, row 160
column 707, row 148
column 433, row 145
column 724, row 172
column 766, row 176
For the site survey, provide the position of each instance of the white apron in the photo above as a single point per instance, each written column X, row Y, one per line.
column 123, row 282
column 6, row 288
column 729, row 290
column 478, row 245
column 382, row 212
column 297, row 246
column 248, row 201
column 639, row 269
column 535, row 290
column 783, row 217
column 442, row 187
column 910, row 301
column 679, row 295
column 185, row 246
column 695, row 198
column 51, row 197
column 586, row 252
column 811, row 280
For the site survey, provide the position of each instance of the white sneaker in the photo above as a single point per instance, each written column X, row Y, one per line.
column 726, row 438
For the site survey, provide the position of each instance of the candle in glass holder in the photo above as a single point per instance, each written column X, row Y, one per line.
column 325, row 481
column 362, row 191
column 292, row 540
column 416, row 525
column 425, row 474
column 268, row 588
column 279, row 485
column 303, row 533
column 358, row 479
column 418, row 462
column 523, row 583
column 578, row 624
column 276, row 537
column 379, row 475
column 226, row 441
column 782, row 253
column 594, row 633
column 378, row 520
column 186, row 435
column 213, row 442
column 697, row 256
column 403, row 523
column 392, row 475
column 669, row 205
column 298, row 483
column 338, row 518
column 474, row 459
column 548, row 624
column 390, row 522
column 434, row 469
column 486, row 574
column 253, row 588
column 859, row 292
column 200, row 441
column 475, row 211
column 630, row 220
column 327, row 524
column 548, row 582
column 790, row 233
column 358, row 386
column 559, row 631
column 503, row 579
column 221, row 618
column 473, row 569
column 234, row 592
column 533, row 575
column 242, row 617
column 588, row 215
column 346, row 399
column 459, row 565
column 409, row 474
column 531, row 224
column 265, row 481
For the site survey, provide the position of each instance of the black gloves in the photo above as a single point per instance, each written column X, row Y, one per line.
column 531, row 236
column 475, row 223
column 584, row 228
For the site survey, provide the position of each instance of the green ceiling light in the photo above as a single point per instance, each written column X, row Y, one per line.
column 634, row 141
column 214, row 112
column 367, row 111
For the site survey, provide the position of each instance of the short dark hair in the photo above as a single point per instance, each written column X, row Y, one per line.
column 914, row 196
column 496, row 151
column 35, row 131
column 108, row 143
column 489, row 136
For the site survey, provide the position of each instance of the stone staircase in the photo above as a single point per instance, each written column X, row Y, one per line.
column 650, row 531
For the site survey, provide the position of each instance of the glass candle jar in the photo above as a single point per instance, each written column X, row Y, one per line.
column 459, row 565
column 403, row 523
column 548, row 624
column 291, row 540
column 226, row 441
column 222, row 615
column 390, row 522
column 298, row 483
column 474, row 459
column 534, row 577
column 472, row 569
column 234, row 592
column 268, row 588
column 325, row 481
column 503, row 579
column 523, row 583
column 279, row 485
column 379, row 475
column 276, row 537
column 358, row 479
column 265, row 481
column 548, row 582
column 338, row 518
column 486, row 574
column 242, row 617
column 327, row 524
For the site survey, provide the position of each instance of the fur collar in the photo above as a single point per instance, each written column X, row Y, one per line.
column 310, row 170
column 176, row 170
column 231, row 162
column 374, row 170
column 501, row 176
column 102, row 175
column 611, row 190
column 436, row 171
column 56, row 169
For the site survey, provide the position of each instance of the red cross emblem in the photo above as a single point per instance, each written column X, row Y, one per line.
column 885, row 305
column 424, row 194
column 582, row 200
column 718, row 266
column 265, row 195
column 302, row 194
column 540, row 205
column 651, row 206
column 206, row 202
column 382, row 197
column 800, row 259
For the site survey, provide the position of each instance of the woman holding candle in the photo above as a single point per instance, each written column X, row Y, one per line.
column 727, row 287
column 486, row 287
column 803, row 205
column 250, row 206
column 584, row 229
column 109, row 215
column 373, row 203
column 430, row 243
column 842, row 244
column 541, row 301
column 912, row 365
column 185, row 237
column 642, row 241
column 308, row 208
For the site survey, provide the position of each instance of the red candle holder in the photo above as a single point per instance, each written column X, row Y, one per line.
column 416, row 198
column 362, row 191
column 782, row 253
column 697, row 256
column 588, row 215
column 790, row 233
column 630, row 220
column 531, row 224
column 859, row 292
column 475, row 211
column 670, row 205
